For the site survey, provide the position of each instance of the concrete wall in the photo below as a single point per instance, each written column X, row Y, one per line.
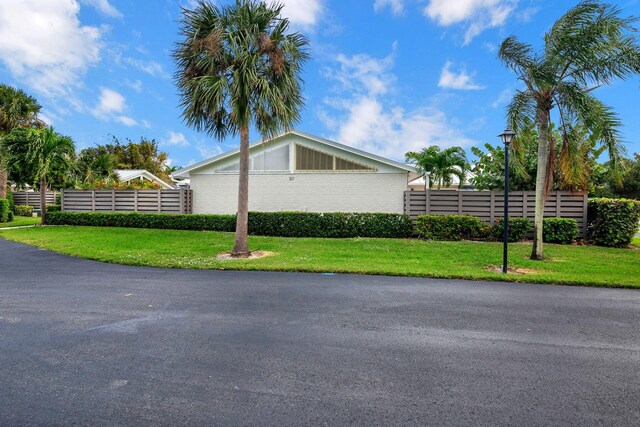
column 311, row 192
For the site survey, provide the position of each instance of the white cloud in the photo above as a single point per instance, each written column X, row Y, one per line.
column 111, row 106
column 127, row 121
column 152, row 68
column 207, row 151
column 302, row 13
column 503, row 98
column 176, row 139
column 43, row 44
column 478, row 15
column 136, row 85
column 104, row 7
column 396, row 6
column 363, row 73
column 363, row 114
column 461, row 80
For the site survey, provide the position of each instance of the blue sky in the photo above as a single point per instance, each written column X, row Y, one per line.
column 386, row 76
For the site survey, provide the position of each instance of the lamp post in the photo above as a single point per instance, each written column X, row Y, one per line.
column 506, row 137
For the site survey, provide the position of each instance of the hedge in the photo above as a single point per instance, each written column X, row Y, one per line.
column 449, row 227
column 613, row 222
column 23, row 210
column 10, row 199
column 5, row 212
column 559, row 230
column 285, row 224
column 54, row 208
column 518, row 229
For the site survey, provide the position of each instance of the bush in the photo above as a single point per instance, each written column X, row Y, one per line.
column 518, row 229
column 23, row 210
column 54, row 208
column 4, row 210
column 331, row 225
column 10, row 199
column 559, row 230
column 613, row 222
column 287, row 224
column 449, row 227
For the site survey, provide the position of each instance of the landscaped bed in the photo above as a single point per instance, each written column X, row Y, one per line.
column 567, row 264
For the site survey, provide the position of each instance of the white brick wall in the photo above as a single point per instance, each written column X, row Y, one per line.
column 311, row 192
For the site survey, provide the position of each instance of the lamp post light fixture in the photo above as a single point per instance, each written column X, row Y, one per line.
column 507, row 137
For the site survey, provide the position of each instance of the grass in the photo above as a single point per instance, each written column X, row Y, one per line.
column 21, row 221
column 572, row 265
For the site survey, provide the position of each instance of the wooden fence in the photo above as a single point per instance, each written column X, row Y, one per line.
column 32, row 198
column 146, row 201
column 489, row 205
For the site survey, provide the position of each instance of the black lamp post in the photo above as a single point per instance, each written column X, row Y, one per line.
column 506, row 137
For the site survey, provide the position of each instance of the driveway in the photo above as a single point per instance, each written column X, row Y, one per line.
column 83, row 342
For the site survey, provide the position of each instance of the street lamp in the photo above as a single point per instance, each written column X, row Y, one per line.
column 506, row 137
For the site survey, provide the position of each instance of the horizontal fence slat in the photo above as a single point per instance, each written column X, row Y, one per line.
column 147, row 201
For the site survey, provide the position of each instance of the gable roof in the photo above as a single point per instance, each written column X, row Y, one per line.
column 130, row 174
column 184, row 173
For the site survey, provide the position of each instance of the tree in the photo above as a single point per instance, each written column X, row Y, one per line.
column 38, row 154
column 95, row 163
column 239, row 66
column 17, row 109
column 440, row 166
column 145, row 154
column 590, row 46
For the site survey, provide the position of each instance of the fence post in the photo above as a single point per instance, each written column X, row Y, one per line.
column 159, row 201
column 427, row 202
column 459, row 202
column 135, row 200
column 27, row 193
column 524, row 204
column 113, row 200
column 585, row 216
column 93, row 200
column 558, row 204
column 492, row 205
column 182, row 210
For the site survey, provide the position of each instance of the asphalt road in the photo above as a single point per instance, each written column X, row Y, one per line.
column 88, row 343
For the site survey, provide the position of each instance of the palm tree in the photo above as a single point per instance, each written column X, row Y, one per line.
column 589, row 47
column 238, row 66
column 39, row 153
column 17, row 109
column 440, row 166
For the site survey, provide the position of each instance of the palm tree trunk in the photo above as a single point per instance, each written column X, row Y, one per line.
column 3, row 183
column 541, row 183
column 43, row 200
column 241, row 246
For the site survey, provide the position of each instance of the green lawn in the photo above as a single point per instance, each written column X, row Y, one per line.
column 21, row 221
column 583, row 265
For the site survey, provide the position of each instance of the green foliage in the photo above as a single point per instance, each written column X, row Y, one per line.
column 288, row 224
column 17, row 109
column 449, row 227
column 613, row 222
column 239, row 65
column 54, row 208
column 113, row 184
column 23, row 210
column 518, row 229
column 440, row 166
column 5, row 211
column 331, row 225
column 10, row 199
column 560, row 230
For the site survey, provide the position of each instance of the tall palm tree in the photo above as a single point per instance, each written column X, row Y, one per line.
column 39, row 154
column 589, row 47
column 440, row 166
column 17, row 109
column 239, row 66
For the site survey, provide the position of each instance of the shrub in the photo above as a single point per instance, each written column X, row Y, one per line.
column 613, row 222
column 10, row 199
column 4, row 210
column 449, row 227
column 559, row 230
column 331, row 225
column 287, row 224
column 54, row 208
column 518, row 229
column 23, row 210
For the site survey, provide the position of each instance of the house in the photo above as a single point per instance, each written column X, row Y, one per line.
column 127, row 175
column 297, row 171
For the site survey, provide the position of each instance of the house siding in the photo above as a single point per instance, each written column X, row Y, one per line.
column 311, row 192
